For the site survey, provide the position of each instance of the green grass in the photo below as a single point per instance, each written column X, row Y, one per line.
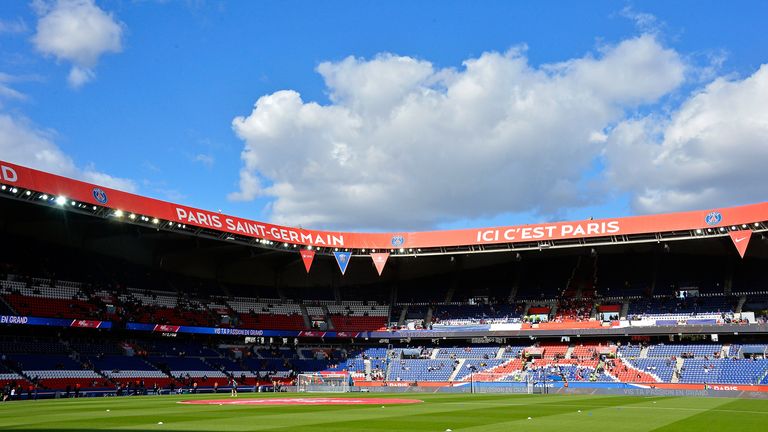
column 485, row 413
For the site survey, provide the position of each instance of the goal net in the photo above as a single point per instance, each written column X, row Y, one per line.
column 323, row 383
column 514, row 382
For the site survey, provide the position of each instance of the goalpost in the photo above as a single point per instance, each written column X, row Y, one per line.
column 323, row 383
column 536, row 385
column 520, row 382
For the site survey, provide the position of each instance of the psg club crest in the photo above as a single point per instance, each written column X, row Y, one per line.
column 342, row 258
column 99, row 195
column 713, row 218
column 398, row 241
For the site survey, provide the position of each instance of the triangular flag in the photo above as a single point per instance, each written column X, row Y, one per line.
column 307, row 256
column 379, row 259
column 741, row 240
column 343, row 259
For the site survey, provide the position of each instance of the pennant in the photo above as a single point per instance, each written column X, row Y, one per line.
column 307, row 256
column 741, row 240
column 342, row 258
column 379, row 259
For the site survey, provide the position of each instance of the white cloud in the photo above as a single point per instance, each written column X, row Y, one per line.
column 24, row 144
column 79, row 32
column 13, row 26
column 79, row 76
column 406, row 145
column 6, row 91
column 709, row 153
column 205, row 159
column 645, row 22
column 250, row 187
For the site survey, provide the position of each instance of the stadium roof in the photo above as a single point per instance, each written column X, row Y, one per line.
column 51, row 189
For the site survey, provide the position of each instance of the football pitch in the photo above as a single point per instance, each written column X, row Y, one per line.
column 437, row 412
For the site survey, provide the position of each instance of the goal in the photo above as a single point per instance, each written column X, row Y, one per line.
column 519, row 382
column 323, row 383
column 534, row 386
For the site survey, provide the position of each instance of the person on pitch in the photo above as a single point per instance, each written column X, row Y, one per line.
column 233, row 383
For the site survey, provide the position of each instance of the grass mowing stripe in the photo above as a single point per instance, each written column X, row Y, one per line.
column 725, row 417
column 582, row 406
column 487, row 413
column 319, row 416
column 593, row 416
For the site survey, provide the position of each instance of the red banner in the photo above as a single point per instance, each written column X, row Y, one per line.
column 307, row 256
column 55, row 185
column 86, row 323
column 166, row 328
column 379, row 260
column 741, row 240
column 312, row 334
column 347, row 334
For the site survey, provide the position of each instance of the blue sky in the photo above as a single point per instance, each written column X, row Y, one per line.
column 150, row 107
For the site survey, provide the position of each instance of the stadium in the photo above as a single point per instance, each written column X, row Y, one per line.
column 121, row 311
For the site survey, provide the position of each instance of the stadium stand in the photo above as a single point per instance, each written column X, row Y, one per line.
column 660, row 369
column 468, row 352
column 556, row 291
column 54, row 365
column 421, row 370
column 727, row 371
column 686, row 351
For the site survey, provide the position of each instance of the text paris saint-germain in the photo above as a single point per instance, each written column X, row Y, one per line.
column 259, row 230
